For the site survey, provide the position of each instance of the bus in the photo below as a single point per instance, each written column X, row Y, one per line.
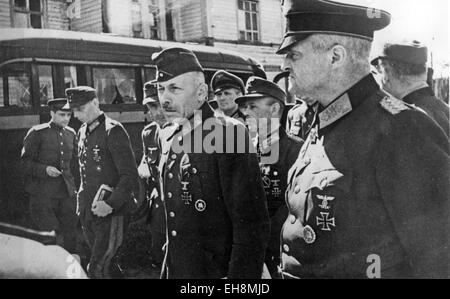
column 37, row 65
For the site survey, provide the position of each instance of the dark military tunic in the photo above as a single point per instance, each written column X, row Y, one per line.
column 425, row 99
column 368, row 194
column 52, row 200
column 157, row 217
column 106, row 157
column 216, row 210
column 274, row 177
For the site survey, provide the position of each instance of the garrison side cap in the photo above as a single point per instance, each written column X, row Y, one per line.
column 173, row 62
column 307, row 17
column 60, row 104
column 79, row 96
column 223, row 80
column 411, row 52
column 260, row 88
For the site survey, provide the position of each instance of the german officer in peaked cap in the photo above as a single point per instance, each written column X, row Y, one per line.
column 402, row 71
column 266, row 102
column 106, row 159
column 217, row 220
column 49, row 158
column 227, row 87
column 359, row 192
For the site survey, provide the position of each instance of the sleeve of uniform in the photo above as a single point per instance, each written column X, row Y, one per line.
column 122, row 154
column 413, row 176
column 30, row 153
column 246, row 203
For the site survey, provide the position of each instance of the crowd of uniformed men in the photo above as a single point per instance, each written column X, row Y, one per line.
column 359, row 186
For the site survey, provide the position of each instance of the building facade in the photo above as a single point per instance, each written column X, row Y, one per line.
column 250, row 27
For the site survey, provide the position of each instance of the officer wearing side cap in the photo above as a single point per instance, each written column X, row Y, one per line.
column 149, row 171
column 359, row 193
column 217, row 222
column 227, row 87
column 105, row 158
column 402, row 70
column 49, row 156
column 265, row 102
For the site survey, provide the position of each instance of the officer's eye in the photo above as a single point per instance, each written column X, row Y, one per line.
column 294, row 55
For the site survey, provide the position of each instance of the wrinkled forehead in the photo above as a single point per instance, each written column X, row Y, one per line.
column 185, row 80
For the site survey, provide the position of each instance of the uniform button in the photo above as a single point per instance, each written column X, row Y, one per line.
column 286, row 248
column 174, row 156
column 62, row 153
column 156, row 206
column 62, row 144
column 180, row 138
column 170, row 176
column 297, row 189
column 292, row 219
column 174, row 233
column 194, row 170
column 172, row 215
column 169, row 195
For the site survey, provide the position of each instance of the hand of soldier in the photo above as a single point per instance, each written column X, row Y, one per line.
column 53, row 172
column 144, row 172
column 101, row 209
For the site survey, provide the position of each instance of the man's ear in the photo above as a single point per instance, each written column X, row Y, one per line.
column 338, row 55
column 203, row 92
column 96, row 102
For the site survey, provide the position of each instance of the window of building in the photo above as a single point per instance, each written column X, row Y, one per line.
column 27, row 14
column 248, row 20
column 15, row 85
column 115, row 85
column 169, row 20
column 154, row 19
column 136, row 17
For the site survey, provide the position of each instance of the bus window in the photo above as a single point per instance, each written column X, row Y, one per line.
column 2, row 97
column 17, row 91
column 115, row 85
column 70, row 76
column 150, row 74
column 45, row 83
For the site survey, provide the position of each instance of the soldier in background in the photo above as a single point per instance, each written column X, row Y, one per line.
column 402, row 70
column 227, row 87
column 48, row 156
column 266, row 102
column 302, row 118
column 149, row 171
column 106, row 159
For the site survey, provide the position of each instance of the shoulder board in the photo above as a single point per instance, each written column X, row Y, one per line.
column 393, row 105
column 41, row 127
column 70, row 130
column 111, row 123
column 150, row 126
